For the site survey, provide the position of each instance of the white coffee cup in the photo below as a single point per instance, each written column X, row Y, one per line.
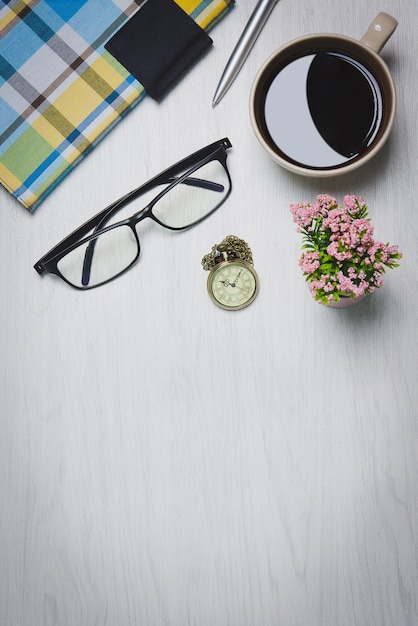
column 303, row 112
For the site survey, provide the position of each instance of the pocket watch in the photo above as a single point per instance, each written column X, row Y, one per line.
column 232, row 282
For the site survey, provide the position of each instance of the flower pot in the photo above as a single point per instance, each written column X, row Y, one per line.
column 344, row 303
column 339, row 254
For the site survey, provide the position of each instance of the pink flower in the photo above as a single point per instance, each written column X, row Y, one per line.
column 392, row 250
column 337, row 221
column 345, row 284
column 324, row 203
column 361, row 232
column 309, row 262
column 334, row 249
column 303, row 214
column 354, row 204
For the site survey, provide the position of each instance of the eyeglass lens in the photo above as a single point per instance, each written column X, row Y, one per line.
column 195, row 198
column 112, row 252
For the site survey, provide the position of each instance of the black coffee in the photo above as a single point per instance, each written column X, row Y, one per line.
column 323, row 110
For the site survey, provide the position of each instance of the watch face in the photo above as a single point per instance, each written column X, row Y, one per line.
column 233, row 285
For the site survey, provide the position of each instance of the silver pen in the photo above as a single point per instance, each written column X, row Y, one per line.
column 249, row 35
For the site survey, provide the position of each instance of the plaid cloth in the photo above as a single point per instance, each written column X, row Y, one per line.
column 60, row 90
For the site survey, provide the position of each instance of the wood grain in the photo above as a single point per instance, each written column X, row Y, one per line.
column 164, row 462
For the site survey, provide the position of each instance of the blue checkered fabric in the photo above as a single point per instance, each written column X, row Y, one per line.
column 60, row 90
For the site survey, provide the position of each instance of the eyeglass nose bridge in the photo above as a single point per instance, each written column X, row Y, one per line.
column 142, row 214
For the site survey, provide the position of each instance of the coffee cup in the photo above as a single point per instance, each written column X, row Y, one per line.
column 324, row 104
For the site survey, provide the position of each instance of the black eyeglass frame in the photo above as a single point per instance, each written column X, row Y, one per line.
column 215, row 151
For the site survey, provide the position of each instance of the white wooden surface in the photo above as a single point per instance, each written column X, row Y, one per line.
column 164, row 462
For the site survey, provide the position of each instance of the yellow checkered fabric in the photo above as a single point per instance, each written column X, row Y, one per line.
column 60, row 90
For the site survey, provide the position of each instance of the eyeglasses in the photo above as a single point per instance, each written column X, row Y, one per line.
column 189, row 191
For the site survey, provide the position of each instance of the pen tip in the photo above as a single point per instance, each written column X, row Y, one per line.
column 214, row 103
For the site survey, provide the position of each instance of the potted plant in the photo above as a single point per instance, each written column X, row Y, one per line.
column 341, row 260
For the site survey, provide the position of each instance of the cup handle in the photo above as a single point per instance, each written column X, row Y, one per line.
column 379, row 31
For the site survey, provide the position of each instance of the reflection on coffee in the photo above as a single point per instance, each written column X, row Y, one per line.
column 323, row 110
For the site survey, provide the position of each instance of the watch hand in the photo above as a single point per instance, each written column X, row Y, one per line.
column 238, row 287
column 226, row 283
column 234, row 284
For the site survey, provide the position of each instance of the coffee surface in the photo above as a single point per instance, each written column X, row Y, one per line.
column 323, row 110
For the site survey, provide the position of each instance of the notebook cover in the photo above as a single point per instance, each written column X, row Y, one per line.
column 61, row 91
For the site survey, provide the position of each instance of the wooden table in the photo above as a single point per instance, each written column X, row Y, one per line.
column 165, row 462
